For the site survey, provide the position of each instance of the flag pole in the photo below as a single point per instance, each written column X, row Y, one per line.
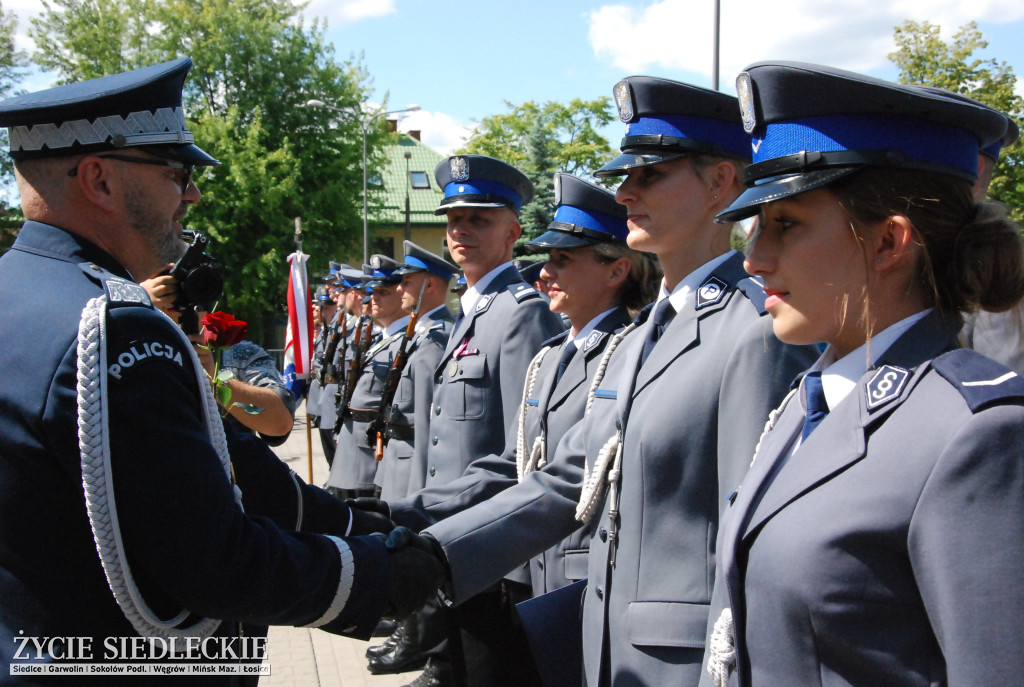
column 309, row 428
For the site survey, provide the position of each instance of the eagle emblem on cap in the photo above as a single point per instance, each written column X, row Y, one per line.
column 558, row 190
column 745, row 94
column 624, row 100
column 459, row 167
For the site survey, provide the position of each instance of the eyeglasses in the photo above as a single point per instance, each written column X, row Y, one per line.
column 185, row 180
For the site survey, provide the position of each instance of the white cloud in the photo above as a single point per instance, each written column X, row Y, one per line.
column 349, row 12
column 677, row 34
column 438, row 130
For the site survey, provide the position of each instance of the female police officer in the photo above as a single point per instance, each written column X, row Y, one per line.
column 883, row 545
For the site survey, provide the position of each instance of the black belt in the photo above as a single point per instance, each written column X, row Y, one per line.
column 363, row 414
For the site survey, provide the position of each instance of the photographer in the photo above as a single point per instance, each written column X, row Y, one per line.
column 257, row 382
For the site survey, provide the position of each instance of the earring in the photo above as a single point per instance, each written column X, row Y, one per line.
column 714, row 197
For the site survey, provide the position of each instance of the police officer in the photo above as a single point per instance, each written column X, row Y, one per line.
column 350, row 289
column 355, row 466
column 118, row 516
column 423, row 288
column 479, row 381
column 679, row 410
column 324, row 310
column 878, row 536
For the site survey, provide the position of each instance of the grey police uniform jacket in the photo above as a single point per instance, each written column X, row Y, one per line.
column 534, row 517
column 888, row 549
column 316, row 362
column 479, row 379
column 412, row 405
column 327, row 408
column 354, row 464
column 689, row 418
column 188, row 544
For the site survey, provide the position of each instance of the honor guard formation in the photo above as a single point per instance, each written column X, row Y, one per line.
column 640, row 458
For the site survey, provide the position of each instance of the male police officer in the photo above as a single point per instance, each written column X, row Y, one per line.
column 355, row 465
column 503, row 322
column 118, row 516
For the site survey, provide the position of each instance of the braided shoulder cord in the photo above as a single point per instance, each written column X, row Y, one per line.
column 526, row 463
column 94, row 444
column 611, row 452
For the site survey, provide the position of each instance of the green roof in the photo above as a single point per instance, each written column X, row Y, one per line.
column 389, row 201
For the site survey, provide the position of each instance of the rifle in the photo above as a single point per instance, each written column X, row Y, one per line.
column 361, row 343
column 376, row 433
column 327, row 372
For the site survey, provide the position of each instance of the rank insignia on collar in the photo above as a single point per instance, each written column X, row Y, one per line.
column 459, row 167
column 484, row 302
column 884, row 386
column 591, row 341
column 710, row 292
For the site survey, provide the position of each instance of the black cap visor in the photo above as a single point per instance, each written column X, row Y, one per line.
column 750, row 201
column 626, row 161
column 558, row 239
column 189, row 154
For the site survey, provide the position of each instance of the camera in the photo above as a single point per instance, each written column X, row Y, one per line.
column 200, row 279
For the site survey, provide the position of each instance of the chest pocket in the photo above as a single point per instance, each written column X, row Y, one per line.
column 404, row 395
column 380, row 375
column 467, row 387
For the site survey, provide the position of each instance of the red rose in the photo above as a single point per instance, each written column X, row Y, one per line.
column 223, row 330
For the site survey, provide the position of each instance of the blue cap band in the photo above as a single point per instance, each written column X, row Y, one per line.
column 919, row 140
column 596, row 221
column 725, row 135
column 482, row 187
column 429, row 267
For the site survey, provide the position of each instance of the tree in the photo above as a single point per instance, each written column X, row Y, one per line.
column 540, row 169
column 924, row 58
column 12, row 65
column 256, row 65
column 543, row 139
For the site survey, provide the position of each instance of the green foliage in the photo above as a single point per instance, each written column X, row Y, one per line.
column 540, row 168
column 924, row 58
column 256, row 65
column 12, row 66
column 541, row 140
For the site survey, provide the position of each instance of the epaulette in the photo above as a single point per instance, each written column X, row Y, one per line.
column 523, row 291
column 981, row 381
column 119, row 291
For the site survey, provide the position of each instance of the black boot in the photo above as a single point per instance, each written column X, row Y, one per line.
column 388, row 646
column 438, row 673
column 406, row 656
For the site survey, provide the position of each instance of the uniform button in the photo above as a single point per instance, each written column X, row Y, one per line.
column 618, row 423
column 603, row 533
column 540, row 564
column 434, row 441
column 599, row 592
column 437, row 409
column 433, row 471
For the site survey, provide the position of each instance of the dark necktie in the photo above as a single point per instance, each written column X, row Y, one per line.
column 567, row 353
column 814, row 399
column 663, row 315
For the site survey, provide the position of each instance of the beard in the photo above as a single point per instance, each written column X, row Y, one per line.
column 160, row 234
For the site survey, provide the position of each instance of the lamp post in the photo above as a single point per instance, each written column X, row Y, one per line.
column 365, row 124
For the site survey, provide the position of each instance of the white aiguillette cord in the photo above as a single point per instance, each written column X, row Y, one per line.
column 94, row 443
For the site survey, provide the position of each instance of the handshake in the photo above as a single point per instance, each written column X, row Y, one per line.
column 419, row 566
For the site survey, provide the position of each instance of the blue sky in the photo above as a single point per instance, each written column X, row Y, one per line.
column 461, row 60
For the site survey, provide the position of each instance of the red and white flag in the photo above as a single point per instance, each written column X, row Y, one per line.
column 298, row 345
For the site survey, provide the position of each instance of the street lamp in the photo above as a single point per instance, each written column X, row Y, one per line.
column 365, row 124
